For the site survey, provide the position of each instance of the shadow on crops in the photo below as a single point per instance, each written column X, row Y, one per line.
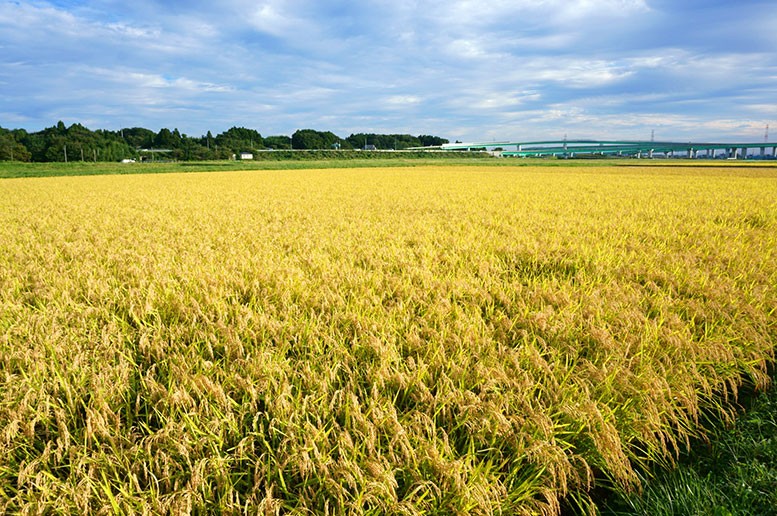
column 530, row 268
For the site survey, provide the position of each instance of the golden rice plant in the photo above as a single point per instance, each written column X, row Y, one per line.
column 430, row 340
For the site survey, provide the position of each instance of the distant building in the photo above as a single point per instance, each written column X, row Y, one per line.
column 246, row 155
column 369, row 147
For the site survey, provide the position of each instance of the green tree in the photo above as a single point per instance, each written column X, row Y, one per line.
column 36, row 144
column 111, row 146
column 56, row 149
column 79, row 142
column 427, row 140
column 82, row 142
column 312, row 139
column 384, row 141
column 306, row 139
column 115, row 150
column 207, row 141
column 11, row 149
column 167, row 139
column 277, row 142
column 138, row 137
column 239, row 139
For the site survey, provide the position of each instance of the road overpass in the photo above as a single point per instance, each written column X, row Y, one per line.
column 626, row 148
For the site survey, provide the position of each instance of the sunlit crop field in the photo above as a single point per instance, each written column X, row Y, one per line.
column 429, row 340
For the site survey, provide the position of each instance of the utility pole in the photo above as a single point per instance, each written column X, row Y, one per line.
column 65, row 150
column 766, row 134
column 652, row 136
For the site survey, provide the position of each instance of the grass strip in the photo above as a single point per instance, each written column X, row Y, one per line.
column 733, row 473
column 284, row 160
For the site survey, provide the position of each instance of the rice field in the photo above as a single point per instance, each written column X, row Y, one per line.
column 426, row 340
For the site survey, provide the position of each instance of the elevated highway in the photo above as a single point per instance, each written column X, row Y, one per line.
column 626, row 148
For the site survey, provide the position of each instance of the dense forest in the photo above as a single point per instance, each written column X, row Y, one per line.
column 77, row 143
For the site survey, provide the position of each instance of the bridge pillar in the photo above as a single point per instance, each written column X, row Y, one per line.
column 744, row 152
column 763, row 151
column 650, row 154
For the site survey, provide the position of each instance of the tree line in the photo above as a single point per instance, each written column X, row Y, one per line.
column 78, row 143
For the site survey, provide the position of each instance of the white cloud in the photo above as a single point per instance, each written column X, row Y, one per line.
column 134, row 32
column 133, row 79
column 273, row 17
column 764, row 110
column 466, row 48
column 402, row 100
column 459, row 68
column 582, row 74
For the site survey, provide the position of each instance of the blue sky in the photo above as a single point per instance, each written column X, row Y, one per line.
column 461, row 69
